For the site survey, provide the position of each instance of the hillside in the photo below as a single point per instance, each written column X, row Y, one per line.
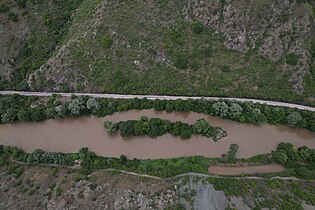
column 259, row 49
column 37, row 187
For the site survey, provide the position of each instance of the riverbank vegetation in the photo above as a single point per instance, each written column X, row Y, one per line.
column 300, row 162
column 155, row 127
column 25, row 108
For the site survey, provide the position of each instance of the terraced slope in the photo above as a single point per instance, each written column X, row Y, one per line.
column 257, row 49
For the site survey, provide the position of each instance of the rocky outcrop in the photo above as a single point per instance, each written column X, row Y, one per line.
column 274, row 28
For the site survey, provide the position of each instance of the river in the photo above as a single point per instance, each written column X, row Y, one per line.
column 69, row 135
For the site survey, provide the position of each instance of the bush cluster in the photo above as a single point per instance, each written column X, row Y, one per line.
column 301, row 160
column 155, row 127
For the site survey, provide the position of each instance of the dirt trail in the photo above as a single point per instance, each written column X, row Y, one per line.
column 239, row 170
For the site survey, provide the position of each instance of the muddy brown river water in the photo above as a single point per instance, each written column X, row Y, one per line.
column 69, row 135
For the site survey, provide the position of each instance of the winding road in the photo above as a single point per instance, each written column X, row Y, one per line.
column 161, row 97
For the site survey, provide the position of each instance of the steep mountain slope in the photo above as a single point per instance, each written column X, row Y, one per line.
column 258, row 48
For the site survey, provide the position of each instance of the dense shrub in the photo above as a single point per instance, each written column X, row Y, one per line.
column 197, row 27
column 4, row 8
column 107, row 42
column 301, row 160
column 292, row 59
column 13, row 17
column 230, row 157
column 221, row 109
column 181, row 63
column 21, row 3
column 154, row 127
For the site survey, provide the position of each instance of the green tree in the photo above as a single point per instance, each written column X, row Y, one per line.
column 51, row 113
column 221, row 109
column 185, row 131
column 279, row 157
column 93, row 105
column 304, row 152
column 176, row 127
column 9, row 116
column 256, row 116
column 38, row 113
column 127, row 128
column 76, row 106
column 159, row 105
column 123, row 159
column 24, row 115
column 235, row 111
column 202, row 127
column 61, row 111
column 293, row 119
column 141, row 127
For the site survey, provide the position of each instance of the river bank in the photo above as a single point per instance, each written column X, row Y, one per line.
column 69, row 135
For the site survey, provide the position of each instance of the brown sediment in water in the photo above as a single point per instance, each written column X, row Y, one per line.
column 239, row 170
column 69, row 135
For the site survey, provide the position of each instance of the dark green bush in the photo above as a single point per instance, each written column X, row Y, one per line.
column 197, row 27
column 21, row 3
column 4, row 8
column 13, row 17
column 181, row 63
column 292, row 59
column 107, row 42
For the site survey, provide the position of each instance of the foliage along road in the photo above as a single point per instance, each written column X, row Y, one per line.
column 161, row 97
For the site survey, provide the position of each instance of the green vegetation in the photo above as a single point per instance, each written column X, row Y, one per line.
column 292, row 59
column 107, row 42
column 13, row 17
column 300, row 162
column 4, row 8
column 21, row 108
column 155, row 127
column 230, row 157
column 90, row 162
column 285, row 194
column 21, row 3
